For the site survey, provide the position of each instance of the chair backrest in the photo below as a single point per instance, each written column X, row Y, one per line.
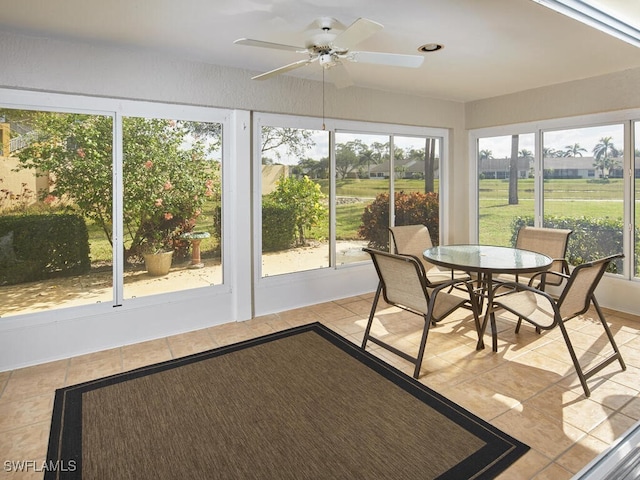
column 551, row 242
column 402, row 280
column 577, row 294
column 410, row 239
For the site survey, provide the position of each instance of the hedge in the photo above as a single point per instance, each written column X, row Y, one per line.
column 410, row 209
column 36, row 247
column 592, row 238
column 278, row 225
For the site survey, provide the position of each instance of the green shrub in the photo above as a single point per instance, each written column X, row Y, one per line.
column 410, row 209
column 44, row 246
column 278, row 225
column 592, row 238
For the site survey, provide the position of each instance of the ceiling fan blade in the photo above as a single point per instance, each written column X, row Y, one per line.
column 392, row 59
column 339, row 76
column 259, row 43
column 286, row 68
column 358, row 31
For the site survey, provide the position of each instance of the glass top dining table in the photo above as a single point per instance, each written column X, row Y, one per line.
column 486, row 261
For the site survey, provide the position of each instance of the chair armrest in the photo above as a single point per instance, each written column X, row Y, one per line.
column 520, row 287
column 556, row 274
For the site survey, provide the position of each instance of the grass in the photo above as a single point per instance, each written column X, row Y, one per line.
column 571, row 197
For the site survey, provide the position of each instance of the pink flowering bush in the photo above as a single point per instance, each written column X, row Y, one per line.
column 166, row 176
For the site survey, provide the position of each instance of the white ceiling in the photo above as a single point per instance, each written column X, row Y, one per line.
column 492, row 47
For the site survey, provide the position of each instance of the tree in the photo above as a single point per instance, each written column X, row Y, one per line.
column 574, row 150
column 604, row 154
column 165, row 182
column 429, row 164
column 305, row 197
column 513, row 171
column 294, row 141
column 346, row 159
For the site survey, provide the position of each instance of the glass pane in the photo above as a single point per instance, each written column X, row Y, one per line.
column 295, row 209
column 172, row 204
column 416, row 182
column 505, row 187
column 55, row 210
column 584, row 190
column 362, row 194
column 636, row 206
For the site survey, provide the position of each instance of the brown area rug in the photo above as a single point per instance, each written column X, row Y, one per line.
column 299, row 404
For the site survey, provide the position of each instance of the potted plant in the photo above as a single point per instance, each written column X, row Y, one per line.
column 158, row 246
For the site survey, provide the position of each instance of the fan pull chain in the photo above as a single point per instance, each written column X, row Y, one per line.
column 323, row 69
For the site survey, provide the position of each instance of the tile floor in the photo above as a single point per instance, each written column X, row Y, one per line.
column 528, row 388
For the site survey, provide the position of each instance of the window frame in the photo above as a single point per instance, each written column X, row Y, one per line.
column 625, row 117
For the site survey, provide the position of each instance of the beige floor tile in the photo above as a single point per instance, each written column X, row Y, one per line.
column 573, row 408
column 526, row 467
column 631, row 355
column 21, row 413
column 331, row 311
column 145, row 353
column 34, row 381
column 632, row 409
column 615, row 426
column 102, row 367
column 230, row 333
column 96, row 356
column 581, row 453
column 25, row 443
column 480, row 398
column 190, row 343
column 550, row 436
column 358, row 307
column 553, row 472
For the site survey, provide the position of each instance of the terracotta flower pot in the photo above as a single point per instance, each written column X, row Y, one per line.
column 158, row 264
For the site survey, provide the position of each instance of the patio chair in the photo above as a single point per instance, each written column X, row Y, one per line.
column 402, row 284
column 551, row 242
column 415, row 239
column 545, row 312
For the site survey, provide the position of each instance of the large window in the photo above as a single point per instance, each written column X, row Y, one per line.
column 56, row 235
column 172, row 193
column 362, row 176
column 80, row 217
column 584, row 189
column 578, row 180
column 325, row 194
column 505, row 185
column 294, row 198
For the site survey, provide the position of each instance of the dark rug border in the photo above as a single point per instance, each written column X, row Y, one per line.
column 501, row 450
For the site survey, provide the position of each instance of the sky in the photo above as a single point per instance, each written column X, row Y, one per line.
column 586, row 137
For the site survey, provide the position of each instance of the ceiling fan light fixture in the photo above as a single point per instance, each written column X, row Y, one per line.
column 326, row 60
column 430, row 47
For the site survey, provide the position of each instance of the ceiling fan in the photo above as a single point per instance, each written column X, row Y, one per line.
column 330, row 46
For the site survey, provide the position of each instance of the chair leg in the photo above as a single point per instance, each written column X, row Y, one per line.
column 574, row 359
column 423, row 344
column 367, row 330
column 607, row 330
column 518, row 324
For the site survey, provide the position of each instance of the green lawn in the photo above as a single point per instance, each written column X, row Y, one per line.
column 562, row 197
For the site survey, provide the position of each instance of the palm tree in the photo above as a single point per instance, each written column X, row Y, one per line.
column 574, row 150
column 604, row 154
